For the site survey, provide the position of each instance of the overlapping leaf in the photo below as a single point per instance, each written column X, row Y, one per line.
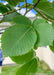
column 24, row 58
column 22, row 20
column 38, row 21
column 45, row 31
column 29, row 68
column 46, row 8
column 18, row 40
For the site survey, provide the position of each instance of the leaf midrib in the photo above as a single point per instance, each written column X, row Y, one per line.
column 21, row 37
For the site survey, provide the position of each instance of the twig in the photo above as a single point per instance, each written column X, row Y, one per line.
column 26, row 5
column 32, row 7
column 14, row 10
column 43, row 15
column 9, row 12
column 38, row 11
column 36, row 3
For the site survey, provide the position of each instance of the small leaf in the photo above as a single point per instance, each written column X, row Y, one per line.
column 22, row 20
column 24, row 58
column 29, row 68
column 45, row 33
column 18, row 40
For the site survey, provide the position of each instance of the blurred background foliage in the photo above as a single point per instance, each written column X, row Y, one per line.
column 43, row 69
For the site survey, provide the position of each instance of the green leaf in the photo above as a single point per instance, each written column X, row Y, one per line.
column 29, row 68
column 38, row 21
column 53, row 4
column 24, row 58
column 53, row 24
column 45, row 33
column 22, row 20
column 9, row 17
column 34, row 1
column 52, row 47
column 35, row 46
column 13, row 2
column 3, row 8
column 46, row 8
column 18, row 40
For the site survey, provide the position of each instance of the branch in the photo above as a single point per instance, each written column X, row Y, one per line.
column 14, row 10
column 32, row 7
column 9, row 12
column 43, row 15
column 36, row 3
